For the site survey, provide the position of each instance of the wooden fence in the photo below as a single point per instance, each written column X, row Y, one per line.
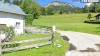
column 38, row 29
column 24, row 47
column 50, row 40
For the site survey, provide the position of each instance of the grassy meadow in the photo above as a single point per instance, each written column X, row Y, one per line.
column 69, row 22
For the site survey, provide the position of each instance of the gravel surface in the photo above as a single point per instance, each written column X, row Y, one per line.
column 84, row 43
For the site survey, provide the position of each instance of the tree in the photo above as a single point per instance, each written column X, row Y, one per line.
column 95, row 7
column 7, row 1
column 61, row 12
column 89, row 16
column 17, row 2
column 32, row 9
column 25, row 6
column 36, row 15
column 86, row 9
column 50, row 11
column 43, row 11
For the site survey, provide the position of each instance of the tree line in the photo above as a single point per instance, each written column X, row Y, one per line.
column 94, row 8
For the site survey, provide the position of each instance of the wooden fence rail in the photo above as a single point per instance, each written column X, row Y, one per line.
column 39, row 31
column 24, row 41
column 24, row 47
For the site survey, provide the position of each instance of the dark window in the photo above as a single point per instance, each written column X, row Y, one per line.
column 17, row 24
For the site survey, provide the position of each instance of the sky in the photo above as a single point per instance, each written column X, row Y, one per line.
column 78, row 4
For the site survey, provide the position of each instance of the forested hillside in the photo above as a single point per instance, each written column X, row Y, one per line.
column 62, row 7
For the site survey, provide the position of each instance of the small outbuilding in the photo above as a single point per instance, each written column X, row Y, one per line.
column 12, row 15
column 97, row 17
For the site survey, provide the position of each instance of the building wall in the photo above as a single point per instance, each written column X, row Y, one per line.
column 11, row 20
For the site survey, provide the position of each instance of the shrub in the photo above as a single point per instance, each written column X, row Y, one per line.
column 29, row 19
column 89, row 16
column 36, row 15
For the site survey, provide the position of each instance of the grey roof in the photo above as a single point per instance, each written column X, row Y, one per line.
column 11, row 8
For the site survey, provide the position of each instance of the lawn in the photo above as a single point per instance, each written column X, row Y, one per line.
column 64, row 18
column 69, row 22
column 29, row 36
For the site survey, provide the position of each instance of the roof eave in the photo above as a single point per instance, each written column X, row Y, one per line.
column 14, row 13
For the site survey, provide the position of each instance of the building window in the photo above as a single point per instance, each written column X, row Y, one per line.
column 17, row 24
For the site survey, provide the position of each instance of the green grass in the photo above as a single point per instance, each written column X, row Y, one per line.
column 49, row 50
column 29, row 36
column 64, row 18
column 80, row 27
column 69, row 22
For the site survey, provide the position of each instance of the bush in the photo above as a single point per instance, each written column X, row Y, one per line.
column 29, row 19
column 61, row 12
column 89, row 16
column 9, row 32
column 36, row 15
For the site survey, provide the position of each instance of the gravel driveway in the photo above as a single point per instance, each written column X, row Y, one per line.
column 82, row 43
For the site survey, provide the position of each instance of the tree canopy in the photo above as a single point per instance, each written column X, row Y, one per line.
column 94, row 8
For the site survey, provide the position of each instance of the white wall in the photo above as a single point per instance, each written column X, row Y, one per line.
column 11, row 19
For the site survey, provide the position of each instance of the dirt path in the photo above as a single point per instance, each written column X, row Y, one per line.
column 82, row 43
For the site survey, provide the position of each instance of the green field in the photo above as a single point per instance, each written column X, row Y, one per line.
column 69, row 22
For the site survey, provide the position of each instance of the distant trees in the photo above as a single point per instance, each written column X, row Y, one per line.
column 7, row 1
column 43, row 11
column 17, row 2
column 50, row 11
column 94, row 8
column 47, row 11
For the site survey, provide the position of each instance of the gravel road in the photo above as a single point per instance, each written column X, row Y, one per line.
column 82, row 43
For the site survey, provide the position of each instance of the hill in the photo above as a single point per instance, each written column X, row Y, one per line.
column 62, row 6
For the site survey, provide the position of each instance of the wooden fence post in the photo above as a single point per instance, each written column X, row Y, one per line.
column 53, row 34
column 0, row 46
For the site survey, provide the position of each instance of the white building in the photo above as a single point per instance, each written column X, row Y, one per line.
column 12, row 15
